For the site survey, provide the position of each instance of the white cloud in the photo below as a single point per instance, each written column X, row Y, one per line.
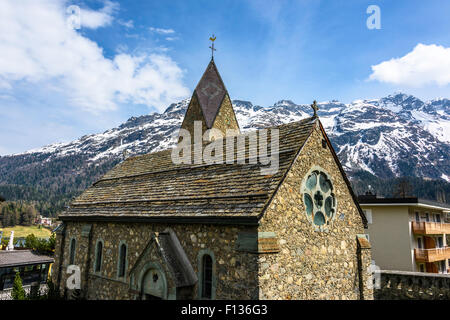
column 95, row 19
column 127, row 24
column 162, row 31
column 37, row 46
column 424, row 65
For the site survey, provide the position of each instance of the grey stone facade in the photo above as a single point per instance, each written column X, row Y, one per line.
column 308, row 265
column 222, row 230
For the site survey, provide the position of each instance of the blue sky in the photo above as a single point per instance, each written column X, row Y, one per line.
column 129, row 58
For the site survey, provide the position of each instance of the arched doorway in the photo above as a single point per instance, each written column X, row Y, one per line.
column 154, row 285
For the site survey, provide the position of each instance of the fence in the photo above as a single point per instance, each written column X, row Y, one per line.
column 6, row 293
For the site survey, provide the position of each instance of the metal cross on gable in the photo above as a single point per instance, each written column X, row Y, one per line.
column 315, row 107
column 213, row 38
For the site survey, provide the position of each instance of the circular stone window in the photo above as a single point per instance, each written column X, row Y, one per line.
column 319, row 199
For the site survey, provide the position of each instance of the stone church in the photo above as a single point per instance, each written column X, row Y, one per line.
column 154, row 229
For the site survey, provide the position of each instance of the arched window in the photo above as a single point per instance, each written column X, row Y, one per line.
column 73, row 243
column 98, row 256
column 122, row 259
column 207, row 273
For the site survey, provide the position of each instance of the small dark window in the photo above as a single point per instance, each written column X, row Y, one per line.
column 417, row 217
column 427, row 217
column 438, row 218
column 72, row 251
column 422, row 267
column 98, row 261
column 207, row 277
column 442, row 266
column 324, row 143
column 122, row 260
column 440, row 242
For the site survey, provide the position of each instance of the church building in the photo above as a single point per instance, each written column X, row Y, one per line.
column 153, row 228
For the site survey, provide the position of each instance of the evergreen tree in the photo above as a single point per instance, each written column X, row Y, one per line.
column 31, row 241
column 18, row 292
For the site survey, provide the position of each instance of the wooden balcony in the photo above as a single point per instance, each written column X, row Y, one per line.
column 432, row 255
column 430, row 227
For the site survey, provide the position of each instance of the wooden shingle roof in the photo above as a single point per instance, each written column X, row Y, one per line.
column 152, row 187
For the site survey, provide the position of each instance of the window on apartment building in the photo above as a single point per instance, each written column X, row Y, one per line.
column 419, row 243
column 438, row 218
column 427, row 217
column 442, row 266
column 417, row 217
column 440, row 242
column 421, row 267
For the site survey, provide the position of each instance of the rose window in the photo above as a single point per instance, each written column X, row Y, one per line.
column 319, row 199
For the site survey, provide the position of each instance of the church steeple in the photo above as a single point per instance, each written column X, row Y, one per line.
column 211, row 104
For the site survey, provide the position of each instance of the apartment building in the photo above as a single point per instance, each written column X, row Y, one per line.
column 408, row 234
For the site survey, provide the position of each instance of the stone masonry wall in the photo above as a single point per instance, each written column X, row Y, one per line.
column 193, row 113
column 311, row 264
column 403, row 285
column 226, row 119
column 236, row 272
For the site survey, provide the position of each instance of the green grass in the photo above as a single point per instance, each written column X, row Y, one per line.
column 23, row 231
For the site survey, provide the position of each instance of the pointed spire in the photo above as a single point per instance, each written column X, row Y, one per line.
column 210, row 92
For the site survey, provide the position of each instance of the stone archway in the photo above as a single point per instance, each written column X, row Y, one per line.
column 154, row 284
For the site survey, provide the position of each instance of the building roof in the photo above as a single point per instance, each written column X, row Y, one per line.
column 409, row 201
column 152, row 186
column 210, row 92
column 22, row 258
column 176, row 259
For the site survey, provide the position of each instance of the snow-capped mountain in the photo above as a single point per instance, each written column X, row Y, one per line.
column 398, row 135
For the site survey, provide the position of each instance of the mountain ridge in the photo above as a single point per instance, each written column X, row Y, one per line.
column 394, row 136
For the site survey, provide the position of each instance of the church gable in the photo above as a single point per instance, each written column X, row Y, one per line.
column 315, row 247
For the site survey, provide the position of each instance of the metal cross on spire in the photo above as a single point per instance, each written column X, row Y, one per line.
column 213, row 38
column 315, row 108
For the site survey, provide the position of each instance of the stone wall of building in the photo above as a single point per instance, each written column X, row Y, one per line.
column 193, row 113
column 403, row 285
column 311, row 264
column 235, row 271
column 226, row 119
